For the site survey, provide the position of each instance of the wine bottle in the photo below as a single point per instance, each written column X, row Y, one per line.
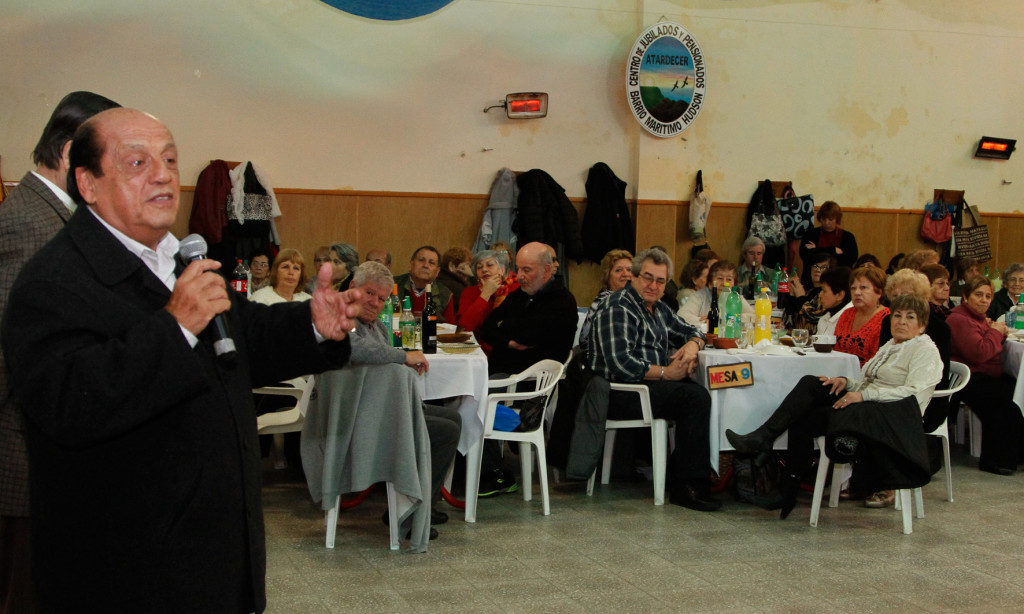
column 713, row 315
column 428, row 322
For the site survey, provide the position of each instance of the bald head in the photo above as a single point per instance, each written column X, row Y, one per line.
column 535, row 262
column 124, row 164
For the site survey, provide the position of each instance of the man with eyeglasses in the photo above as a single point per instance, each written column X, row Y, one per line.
column 639, row 339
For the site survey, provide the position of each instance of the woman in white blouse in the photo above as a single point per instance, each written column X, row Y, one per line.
column 907, row 366
column 286, row 276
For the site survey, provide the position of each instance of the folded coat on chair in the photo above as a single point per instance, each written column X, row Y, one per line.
column 891, row 451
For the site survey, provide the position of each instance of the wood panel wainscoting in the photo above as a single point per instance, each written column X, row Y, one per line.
column 402, row 221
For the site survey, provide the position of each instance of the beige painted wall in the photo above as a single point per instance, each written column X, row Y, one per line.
column 868, row 103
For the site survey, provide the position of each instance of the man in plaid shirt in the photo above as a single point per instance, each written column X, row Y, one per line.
column 638, row 339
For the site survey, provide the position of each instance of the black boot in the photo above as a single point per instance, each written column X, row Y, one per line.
column 786, row 501
column 754, row 442
column 795, row 406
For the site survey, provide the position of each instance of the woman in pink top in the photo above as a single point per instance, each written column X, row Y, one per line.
column 859, row 328
column 978, row 343
column 477, row 302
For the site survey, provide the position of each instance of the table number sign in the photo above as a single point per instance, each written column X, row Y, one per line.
column 736, row 375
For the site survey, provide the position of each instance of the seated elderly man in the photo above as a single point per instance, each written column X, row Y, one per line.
column 424, row 267
column 638, row 339
column 534, row 323
column 751, row 254
column 371, row 344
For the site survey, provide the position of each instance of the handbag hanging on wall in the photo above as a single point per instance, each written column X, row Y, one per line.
column 972, row 241
column 797, row 213
column 937, row 225
column 766, row 223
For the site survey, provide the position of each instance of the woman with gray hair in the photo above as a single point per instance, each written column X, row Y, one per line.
column 1013, row 287
column 493, row 284
column 345, row 260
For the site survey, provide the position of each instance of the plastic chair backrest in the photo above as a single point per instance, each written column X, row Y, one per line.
column 959, row 375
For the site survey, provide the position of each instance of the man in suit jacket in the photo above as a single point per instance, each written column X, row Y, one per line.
column 145, row 481
column 35, row 211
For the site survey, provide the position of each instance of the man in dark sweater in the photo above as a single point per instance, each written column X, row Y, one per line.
column 536, row 322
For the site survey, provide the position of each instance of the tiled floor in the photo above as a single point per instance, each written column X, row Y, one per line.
column 617, row 552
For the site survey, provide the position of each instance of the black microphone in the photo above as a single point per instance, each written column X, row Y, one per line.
column 192, row 248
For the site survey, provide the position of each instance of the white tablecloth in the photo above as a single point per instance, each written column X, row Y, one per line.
column 1012, row 351
column 745, row 409
column 459, row 375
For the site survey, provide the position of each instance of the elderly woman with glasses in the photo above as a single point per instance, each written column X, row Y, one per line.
column 938, row 297
column 895, row 385
column 616, row 272
column 804, row 307
column 259, row 269
column 696, row 308
column 1013, row 287
column 493, row 284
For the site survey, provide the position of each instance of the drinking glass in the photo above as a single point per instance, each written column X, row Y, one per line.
column 800, row 337
column 746, row 338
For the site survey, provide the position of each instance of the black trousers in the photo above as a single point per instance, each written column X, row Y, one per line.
column 444, row 427
column 991, row 398
column 687, row 404
column 16, row 595
column 805, row 411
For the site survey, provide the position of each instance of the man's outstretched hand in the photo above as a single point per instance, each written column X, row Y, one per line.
column 334, row 313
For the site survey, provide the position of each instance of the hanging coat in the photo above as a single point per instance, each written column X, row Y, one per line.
column 500, row 214
column 607, row 224
column 546, row 215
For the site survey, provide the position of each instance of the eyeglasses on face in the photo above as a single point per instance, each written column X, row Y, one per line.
column 651, row 279
column 821, row 268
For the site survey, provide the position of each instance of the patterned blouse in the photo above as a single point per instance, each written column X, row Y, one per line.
column 863, row 342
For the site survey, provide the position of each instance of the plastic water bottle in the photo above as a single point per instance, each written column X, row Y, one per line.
column 408, row 326
column 1018, row 314
column 385, row 314
column 762, row 316
column 733, row 310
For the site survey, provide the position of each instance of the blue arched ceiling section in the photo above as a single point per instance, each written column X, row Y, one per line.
column 388, row 10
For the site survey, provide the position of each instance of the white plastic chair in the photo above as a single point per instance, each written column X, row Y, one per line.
column 659, row 441
column 288, row 420
column 959, row 375
column 545, row 375
column 332, row 519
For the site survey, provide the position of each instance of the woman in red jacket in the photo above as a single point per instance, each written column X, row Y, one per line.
column 495, row 283
column 978, row 343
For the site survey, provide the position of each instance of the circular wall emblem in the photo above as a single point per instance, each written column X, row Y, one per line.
column 666, row 79
column 388, row 10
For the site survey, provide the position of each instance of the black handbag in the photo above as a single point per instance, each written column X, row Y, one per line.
column 973, row 241
column 797, row 213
